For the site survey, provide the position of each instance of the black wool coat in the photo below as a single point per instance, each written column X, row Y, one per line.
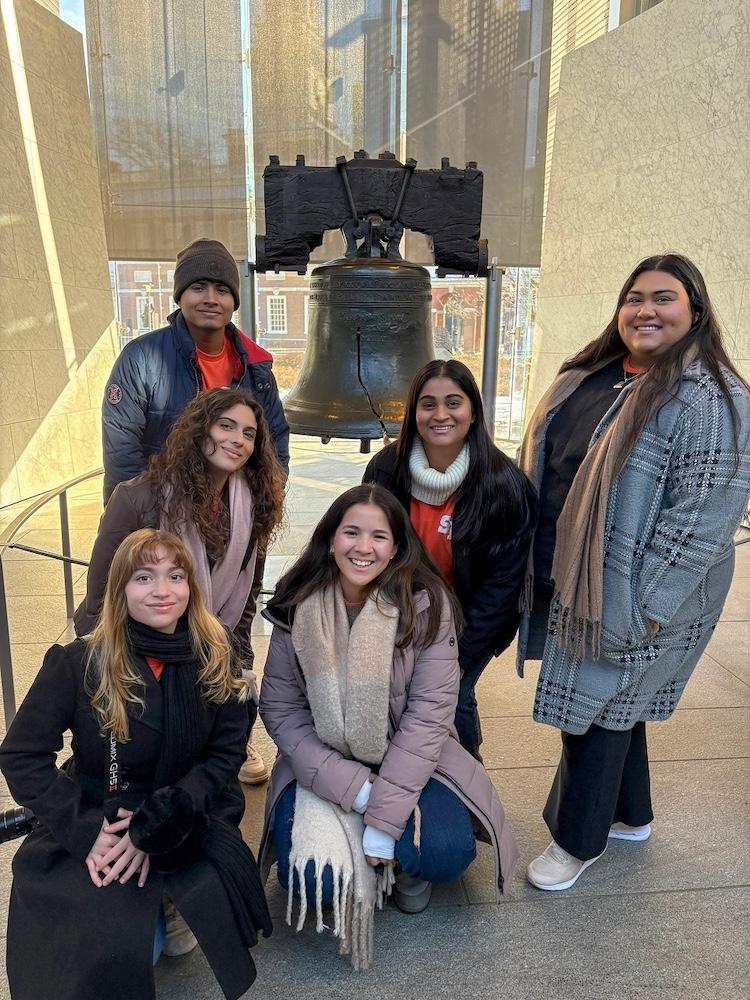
column 68, row 939
column 487, row 576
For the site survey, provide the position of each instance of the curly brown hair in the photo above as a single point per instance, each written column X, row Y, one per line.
column 180, row 474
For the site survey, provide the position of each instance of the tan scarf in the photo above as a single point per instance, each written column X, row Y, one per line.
column 348, row 677
column 578, row 565
column 225, row 587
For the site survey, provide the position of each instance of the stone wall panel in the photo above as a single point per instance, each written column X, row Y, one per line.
column 651, row 154
column 57, row 321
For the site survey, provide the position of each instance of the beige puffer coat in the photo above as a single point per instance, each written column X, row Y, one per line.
column 422, row 744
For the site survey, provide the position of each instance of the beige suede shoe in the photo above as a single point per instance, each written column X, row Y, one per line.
column 254, row 770
column 556, row 869
column 180, row 940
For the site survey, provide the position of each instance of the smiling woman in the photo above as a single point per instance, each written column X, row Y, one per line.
column 217, row 484
column 639, row 450
column 473, row 510
column 230, row 442
column 444, row 415
column 655, row 315
column 157, row 593
column 145, row 815
column 359, row 694
column 362, row 547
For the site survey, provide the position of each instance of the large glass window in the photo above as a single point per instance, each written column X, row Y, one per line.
column 191, row 101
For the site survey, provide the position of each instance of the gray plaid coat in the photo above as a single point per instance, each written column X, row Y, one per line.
column 669, row 557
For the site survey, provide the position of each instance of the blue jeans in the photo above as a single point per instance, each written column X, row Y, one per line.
column 447, row 844
column 160, row 935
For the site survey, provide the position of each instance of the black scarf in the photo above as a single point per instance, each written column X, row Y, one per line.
column 182, row 700
column 183, row 728
column 169, row 648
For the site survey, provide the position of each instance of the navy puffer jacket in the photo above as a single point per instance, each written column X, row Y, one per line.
column 154, row 379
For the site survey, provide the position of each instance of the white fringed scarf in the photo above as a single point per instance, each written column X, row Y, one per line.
column 348, row 676
column 430, row 485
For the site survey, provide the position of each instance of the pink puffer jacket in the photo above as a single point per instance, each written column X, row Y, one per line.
column 422, row 744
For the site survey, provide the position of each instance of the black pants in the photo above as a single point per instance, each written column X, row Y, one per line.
column 467, row 723
column 260, row 565
column 602, row 778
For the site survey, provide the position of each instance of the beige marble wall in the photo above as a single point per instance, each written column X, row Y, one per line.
column 651, row 153
column 574, row 23
column 57, row 334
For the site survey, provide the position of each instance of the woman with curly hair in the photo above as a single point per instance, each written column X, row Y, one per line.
column 147, row 809
column 218, row 485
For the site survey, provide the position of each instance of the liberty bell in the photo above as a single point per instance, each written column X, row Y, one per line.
column 370, row 311
column 369, row 333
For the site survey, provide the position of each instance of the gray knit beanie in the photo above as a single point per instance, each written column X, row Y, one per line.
column 206, row 260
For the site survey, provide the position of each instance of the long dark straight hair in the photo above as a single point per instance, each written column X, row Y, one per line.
column 703, row 341
column 495, row 490
column 409, row 571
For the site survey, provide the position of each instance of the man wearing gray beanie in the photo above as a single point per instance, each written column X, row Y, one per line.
column 158, row 373
column 206, row 260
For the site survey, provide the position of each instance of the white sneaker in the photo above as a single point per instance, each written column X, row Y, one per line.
column 254, row 770
column 556, row 869
column 180, row 940
column 621, row 831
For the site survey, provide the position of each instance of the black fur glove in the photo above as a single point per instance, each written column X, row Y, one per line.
column 167, row 827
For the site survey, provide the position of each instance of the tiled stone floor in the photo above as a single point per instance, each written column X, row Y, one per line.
column 665, row 920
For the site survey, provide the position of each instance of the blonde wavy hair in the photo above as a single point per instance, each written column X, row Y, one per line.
column 112, row 677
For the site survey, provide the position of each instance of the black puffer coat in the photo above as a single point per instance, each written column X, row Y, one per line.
column 488, row 576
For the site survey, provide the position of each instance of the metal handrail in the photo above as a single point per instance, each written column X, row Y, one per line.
column 7, row 542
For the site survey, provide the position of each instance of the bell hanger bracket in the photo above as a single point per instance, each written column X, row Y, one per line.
column 372, row 201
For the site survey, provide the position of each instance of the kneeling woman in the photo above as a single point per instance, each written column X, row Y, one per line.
column 473, row 510
column 149, row 802
column 359, row 694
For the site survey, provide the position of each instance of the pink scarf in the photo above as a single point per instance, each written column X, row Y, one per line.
column 226, row 587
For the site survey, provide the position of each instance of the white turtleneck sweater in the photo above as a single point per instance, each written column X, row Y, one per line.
column 430, row 485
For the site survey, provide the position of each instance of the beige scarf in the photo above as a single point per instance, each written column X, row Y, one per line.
column 578, row 565
column 348, row 677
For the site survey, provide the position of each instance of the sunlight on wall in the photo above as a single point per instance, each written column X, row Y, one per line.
column 57, row 330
